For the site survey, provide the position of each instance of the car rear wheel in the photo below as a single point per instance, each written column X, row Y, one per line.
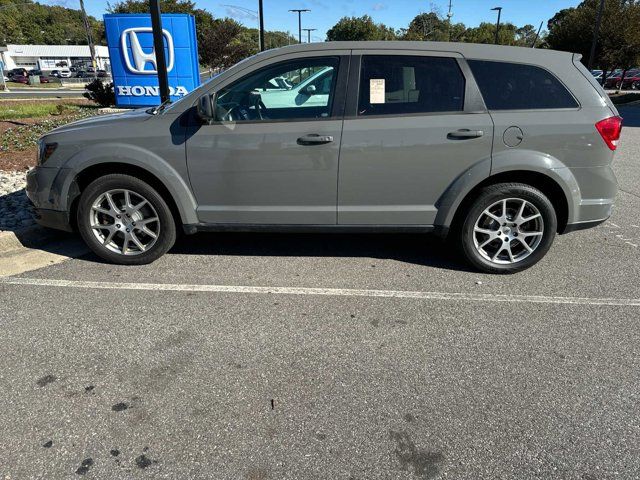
column 509, row 228
column 125, row 221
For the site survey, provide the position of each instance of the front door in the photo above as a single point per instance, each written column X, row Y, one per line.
column 271, row 156
column 415, row 125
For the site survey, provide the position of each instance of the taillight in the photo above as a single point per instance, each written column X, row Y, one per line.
column 610, row 129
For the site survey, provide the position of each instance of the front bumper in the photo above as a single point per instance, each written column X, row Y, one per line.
column 53, row 219
column 44, row 189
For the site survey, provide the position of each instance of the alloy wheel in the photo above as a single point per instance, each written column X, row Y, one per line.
column 508, row 231
column 124, row 222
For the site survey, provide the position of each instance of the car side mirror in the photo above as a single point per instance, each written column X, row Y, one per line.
column 309, row 90
column 205, row 109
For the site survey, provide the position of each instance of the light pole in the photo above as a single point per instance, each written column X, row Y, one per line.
column 300, row 11
column 261, row 25
column 499, row 10
column 92, row 48
column 309, row 30
column 596, row 30
column 449, row 15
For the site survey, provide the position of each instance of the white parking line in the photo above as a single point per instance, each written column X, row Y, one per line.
column 339, row 292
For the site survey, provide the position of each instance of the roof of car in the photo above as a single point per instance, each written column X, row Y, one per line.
column 468, row 50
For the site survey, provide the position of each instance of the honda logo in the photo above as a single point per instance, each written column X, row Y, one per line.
column 137, row 59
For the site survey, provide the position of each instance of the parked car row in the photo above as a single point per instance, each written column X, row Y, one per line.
column 21, row 75
column 25, row 79
column 614, row 79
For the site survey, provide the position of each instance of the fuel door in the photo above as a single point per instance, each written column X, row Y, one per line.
column 512, row 136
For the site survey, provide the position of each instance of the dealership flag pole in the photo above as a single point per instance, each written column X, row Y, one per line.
column 158, row 46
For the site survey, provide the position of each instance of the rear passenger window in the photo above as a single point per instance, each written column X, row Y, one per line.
column 409, row 84
column 514, row 86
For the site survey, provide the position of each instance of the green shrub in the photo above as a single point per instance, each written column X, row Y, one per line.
column 100, row 93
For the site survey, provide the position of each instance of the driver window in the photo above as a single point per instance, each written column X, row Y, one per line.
column 291, row 90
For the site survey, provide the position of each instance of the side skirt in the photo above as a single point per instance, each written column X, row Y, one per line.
column 231, row 227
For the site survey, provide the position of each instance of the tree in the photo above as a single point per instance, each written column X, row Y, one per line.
column 204, row 20
column 618, row 44
column 26, row 22
column 427, row 26
column 223, row 46
column 486, row 33
column 358, row 29
column 221, row 42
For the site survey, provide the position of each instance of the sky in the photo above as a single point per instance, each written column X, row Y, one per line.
column 394, row 13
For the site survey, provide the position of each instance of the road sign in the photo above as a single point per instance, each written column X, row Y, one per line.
column 133, row 62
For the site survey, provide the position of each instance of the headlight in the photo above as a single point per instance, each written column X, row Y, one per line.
column 45, row 150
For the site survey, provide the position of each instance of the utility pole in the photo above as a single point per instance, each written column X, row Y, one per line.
column 92, row 48
column 260, row 10
column 596, row 31
column 158, row 46
column 300, row 11
column 499, row 10
column 309, row 30
column 449, row 15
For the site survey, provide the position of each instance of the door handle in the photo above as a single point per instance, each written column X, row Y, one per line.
column 314, row 139
column 464, row 134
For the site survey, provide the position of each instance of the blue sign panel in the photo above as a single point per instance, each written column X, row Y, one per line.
column 133, row 60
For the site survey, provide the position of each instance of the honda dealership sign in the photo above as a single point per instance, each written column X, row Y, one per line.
column 133, row 59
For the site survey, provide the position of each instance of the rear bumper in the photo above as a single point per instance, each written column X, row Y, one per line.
column 574, row 227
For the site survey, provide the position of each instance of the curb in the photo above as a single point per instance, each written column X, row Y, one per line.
column 29, row 237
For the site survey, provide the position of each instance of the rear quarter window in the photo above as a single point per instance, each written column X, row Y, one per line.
column 515, row 86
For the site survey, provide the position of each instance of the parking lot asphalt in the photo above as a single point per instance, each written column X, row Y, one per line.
column 263, row 356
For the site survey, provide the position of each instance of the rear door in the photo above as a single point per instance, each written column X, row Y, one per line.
column 415, row 122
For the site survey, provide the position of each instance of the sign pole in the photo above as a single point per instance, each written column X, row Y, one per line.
column 158, row 44
column 6, row 89
column 260, row 14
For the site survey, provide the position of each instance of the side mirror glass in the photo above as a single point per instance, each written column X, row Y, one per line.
column 205, row 109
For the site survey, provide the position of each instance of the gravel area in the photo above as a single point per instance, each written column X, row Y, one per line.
column 15, row 209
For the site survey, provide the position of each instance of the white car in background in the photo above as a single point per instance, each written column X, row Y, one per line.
column 61, row 73
column 313, row 91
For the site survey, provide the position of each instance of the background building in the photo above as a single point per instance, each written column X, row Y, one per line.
column 52, row 57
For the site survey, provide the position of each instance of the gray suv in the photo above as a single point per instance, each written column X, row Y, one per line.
column 496, row 148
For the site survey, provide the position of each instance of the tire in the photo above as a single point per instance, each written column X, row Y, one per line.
column 502, row 248
column 123, row 209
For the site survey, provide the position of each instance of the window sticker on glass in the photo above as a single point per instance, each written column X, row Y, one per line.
column 376, row 90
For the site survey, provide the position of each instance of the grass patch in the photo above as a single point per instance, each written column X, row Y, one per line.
column 23, row 137
column 18, row 110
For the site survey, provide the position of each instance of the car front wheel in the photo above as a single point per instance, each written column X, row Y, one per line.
column 125, row 221
column 508, row 228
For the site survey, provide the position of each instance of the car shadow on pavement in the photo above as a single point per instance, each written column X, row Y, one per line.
column 420, row 249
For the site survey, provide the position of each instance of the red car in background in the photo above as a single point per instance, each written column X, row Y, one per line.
column 631, row 76
column 24, row 79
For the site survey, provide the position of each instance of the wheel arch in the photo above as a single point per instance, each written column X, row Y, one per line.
column 558, row 185
column 179, row 199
